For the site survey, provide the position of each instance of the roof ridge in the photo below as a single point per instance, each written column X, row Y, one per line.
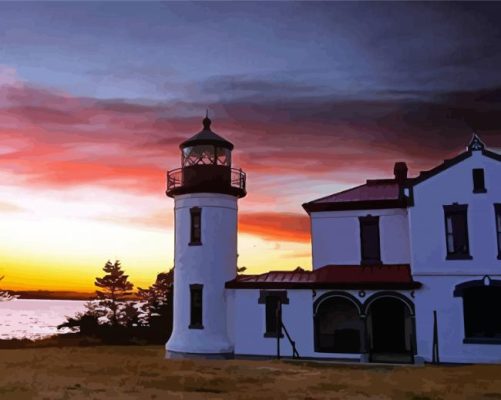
column 337, row 193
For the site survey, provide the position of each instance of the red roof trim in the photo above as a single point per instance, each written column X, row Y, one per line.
column 331, row 277
column 356, row 205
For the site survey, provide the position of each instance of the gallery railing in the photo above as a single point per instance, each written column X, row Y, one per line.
column 189, row 176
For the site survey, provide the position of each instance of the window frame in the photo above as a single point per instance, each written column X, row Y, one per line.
column 478, row 176
column 497, row 223
column 456, row 209
column 194, row 322
column 195, row 212
column 264, row 298
column 464, row 290
column 369, row 220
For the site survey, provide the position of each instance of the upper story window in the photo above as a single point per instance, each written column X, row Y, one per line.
column 369, row 240
column 478, row 180
column 196, row 306
column 456, row 230
column 497, row 208
column 196, row 226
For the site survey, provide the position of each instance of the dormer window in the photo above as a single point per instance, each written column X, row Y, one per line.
column 478, row 180
column 196, row 226
column 369, row 240
column 456, row 231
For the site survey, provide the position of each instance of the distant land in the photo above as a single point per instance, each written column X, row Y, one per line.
column 53, row 295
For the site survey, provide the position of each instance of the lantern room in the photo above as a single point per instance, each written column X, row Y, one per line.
column 206, row 166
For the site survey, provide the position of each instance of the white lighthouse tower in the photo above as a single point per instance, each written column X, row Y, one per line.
column 205, row 191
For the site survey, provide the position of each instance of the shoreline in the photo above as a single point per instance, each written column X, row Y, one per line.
column 56, row 340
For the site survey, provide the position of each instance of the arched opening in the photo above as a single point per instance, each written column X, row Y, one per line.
column 338, row 326
column 391, row 328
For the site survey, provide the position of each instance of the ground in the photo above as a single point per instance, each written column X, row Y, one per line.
column 140, row 372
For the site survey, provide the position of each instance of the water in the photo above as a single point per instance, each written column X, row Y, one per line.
column 35, row 319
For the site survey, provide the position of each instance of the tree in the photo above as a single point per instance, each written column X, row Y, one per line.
column 6, row 296
column 116, row 288
column 157, row 304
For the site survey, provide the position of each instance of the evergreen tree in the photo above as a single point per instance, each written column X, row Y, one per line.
column 157, row 303
column 116, row 288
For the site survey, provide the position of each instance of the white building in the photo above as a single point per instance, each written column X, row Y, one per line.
column 404, row 269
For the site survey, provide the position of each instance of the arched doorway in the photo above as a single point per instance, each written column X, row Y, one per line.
column 390, row 325
column 338, row 326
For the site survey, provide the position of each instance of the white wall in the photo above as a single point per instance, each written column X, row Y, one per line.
column 250, row 323
column 427, row 225
column 336, row 236
column 439, row 275
column 211, row 264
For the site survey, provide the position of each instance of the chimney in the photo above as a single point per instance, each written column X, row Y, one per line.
column 400, row 171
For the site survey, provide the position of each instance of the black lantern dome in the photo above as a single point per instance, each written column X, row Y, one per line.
column 206, row 166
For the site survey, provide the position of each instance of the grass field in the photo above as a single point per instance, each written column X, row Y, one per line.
column 140, row 372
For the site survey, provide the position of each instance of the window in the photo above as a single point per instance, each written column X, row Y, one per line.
column 478, row 181
column 273, row 315
column 369, row 240
column 482, row 320
column 196, row 226
column 273, row 301
column 456, row 230
column 196, row 295
column 497, row 208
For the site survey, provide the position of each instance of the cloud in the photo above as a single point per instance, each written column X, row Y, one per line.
column 276, row 226
column 288, row 135
column 8, row 207
column 159, row 219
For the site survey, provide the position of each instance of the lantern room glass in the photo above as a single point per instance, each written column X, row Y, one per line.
column 206, row 155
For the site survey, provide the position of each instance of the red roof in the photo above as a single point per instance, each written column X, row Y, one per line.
column 331, row 276
column 381, row 189
column 374, row 194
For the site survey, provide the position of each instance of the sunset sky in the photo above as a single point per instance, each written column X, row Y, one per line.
column 316, row 97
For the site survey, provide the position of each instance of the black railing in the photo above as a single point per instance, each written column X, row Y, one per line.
column 295, row 353
column 183, row 177
column 280, row 326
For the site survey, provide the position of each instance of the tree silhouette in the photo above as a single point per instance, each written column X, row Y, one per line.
column 116, row 288
column 157, row 303
column 6, row 296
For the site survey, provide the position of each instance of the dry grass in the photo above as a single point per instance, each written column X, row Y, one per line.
column 135, row 372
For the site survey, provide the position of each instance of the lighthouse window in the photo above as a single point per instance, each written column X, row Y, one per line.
column 198, row 155
column 196, row 306
column 196, row 226
column 223, row 156
column 497, row 207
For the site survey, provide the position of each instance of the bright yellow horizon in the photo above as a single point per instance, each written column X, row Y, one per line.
column 53, row 243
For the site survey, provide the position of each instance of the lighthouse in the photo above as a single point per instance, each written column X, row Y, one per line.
column 205, row 191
